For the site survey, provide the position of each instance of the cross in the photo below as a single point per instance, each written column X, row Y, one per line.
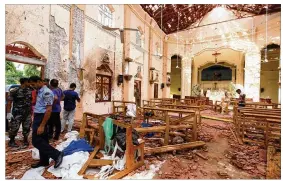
column 216, row 54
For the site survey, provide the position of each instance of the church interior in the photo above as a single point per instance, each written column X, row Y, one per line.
column 195, row 87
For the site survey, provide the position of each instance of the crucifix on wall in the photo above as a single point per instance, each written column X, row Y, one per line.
column 216, row 54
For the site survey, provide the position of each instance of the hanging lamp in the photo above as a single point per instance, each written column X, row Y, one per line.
column 265, row 59
column 177, row 43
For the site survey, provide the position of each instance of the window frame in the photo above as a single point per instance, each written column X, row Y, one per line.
column 138, row 38
column 105, row 13
column 101, row 83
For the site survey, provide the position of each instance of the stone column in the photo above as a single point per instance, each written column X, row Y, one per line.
column 252, row 75
column 166, row 90
column 126, row 54
column 186, row 77
column 279, row 91
column 150, row 47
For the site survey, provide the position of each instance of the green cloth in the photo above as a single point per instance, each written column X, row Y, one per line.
column 108, row 132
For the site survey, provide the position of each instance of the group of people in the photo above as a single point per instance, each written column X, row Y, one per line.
column 36, row 103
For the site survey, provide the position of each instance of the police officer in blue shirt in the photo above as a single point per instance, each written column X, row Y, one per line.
column 42, row 112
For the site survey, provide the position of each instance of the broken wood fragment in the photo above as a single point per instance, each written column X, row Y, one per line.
column 174, row 147
column 217, row 119
column 201, row 156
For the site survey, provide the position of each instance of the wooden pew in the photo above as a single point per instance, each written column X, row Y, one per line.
column 181, row 122
column 197, row 109
column 131, row 163
column 260, row 125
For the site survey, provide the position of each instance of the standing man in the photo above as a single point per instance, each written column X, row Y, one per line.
column 242, row 98
column 21, row 112
column 54, row 120
column 46, row 82
column 69, row 106
column 42, row 112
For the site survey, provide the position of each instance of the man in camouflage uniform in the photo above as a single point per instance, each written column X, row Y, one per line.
column 21, row 111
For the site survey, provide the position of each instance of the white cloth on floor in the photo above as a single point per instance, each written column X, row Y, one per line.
column 34, row 174
column 70, row 166
column 70, row 136
column 131, row 110
column 35, row 154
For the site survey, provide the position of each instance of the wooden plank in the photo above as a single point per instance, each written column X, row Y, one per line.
column 130, row 159
column 180, row 126
column 195, row 128
column 83, row 169
column 262, row 115
column 83, row 126
column 151, row 129
column 177, row 134
column 125, row 172
column 168, row 148
column 166, row 138
column 201, row 156
column 217, row 119
column 169, row 110
column 100, row 162
column 235, row 137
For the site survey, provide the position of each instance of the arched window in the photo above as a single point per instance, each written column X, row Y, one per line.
column 105, row 15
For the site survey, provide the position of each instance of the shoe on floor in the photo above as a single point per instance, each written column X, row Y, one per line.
column 59, row 160
column 13, row 144
column 39, row 164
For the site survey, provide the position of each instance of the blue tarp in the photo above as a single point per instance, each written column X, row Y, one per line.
column 76, row 146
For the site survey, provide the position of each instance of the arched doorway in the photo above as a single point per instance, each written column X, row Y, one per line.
column 24, row 60
column 269, row 87
column 175, row 88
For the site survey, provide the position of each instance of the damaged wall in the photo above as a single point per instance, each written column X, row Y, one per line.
column 28, row 24
column 57, row 64
column 99, row 42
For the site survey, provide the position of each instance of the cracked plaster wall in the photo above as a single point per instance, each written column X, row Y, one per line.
column 29, row 24
column 97, row 43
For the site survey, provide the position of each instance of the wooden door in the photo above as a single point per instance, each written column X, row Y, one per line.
column 137, row 92
column 155, row 90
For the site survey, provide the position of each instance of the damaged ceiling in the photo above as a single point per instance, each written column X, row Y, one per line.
column 191, row 14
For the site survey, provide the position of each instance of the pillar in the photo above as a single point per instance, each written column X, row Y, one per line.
column 186, row 77
column 252, row 75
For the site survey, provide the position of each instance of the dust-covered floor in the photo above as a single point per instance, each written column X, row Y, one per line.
column 221, row 158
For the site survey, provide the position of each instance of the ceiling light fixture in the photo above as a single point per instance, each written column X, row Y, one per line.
column 265, row 59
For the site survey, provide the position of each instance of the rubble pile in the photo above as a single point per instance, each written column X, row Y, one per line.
column 249, row 158
column 17, row 164
column 217, row 114
column 205, row 134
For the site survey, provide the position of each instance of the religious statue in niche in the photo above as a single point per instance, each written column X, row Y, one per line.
column 138, row 75
column 153, row 75
column 105, row 58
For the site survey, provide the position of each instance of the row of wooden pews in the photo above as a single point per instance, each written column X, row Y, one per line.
column 261, row 126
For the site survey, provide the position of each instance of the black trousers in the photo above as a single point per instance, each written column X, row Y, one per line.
column 54, row 121
column 40, row 142
column 7, row 125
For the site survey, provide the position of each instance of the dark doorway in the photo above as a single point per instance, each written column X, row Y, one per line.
column 137, row 92
column 155, row 90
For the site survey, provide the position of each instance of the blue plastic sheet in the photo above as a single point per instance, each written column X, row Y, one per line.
column 76, row 146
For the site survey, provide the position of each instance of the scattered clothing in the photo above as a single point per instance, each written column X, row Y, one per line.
column 76, row 146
